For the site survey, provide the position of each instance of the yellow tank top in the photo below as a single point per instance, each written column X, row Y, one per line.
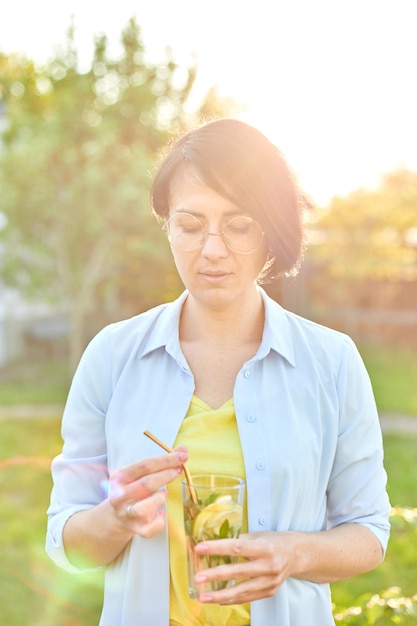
column 214, row 446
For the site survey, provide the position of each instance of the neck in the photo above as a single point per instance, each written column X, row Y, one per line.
column 234, row 322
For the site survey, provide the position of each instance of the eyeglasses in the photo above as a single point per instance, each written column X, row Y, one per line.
column 241, row 234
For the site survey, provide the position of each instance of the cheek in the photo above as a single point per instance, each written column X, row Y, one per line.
column 262, row 259
column 183, row 261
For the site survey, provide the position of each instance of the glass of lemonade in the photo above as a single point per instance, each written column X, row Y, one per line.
column 217, row 514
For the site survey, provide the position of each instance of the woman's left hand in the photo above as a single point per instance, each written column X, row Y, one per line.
column 267, row 559
column 264, row 562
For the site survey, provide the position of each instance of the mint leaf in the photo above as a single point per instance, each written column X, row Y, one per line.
column 224, row 529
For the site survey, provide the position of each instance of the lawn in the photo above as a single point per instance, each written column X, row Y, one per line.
column 32, row 382
column 399, row 567
column 393, row 373
column 34, row 591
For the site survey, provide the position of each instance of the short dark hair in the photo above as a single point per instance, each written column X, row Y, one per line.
column 239, row 163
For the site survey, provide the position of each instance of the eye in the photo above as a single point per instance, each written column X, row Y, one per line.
column 188, row 228
column 186, row 223
column 239, row 225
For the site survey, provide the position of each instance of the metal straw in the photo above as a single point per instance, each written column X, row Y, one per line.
column 185, row 468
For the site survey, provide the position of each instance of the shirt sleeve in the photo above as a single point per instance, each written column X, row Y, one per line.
column 357, row 487
column 79, row 473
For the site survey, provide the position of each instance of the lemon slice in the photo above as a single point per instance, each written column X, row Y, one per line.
column 211, row 518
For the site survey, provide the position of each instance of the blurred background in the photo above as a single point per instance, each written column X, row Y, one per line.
column 89, row 97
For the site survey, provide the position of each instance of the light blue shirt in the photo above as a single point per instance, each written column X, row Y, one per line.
column 309, row 432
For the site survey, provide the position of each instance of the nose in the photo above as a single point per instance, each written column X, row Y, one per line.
column 214, row 245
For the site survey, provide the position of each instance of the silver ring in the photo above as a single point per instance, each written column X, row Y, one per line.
column 129, row 510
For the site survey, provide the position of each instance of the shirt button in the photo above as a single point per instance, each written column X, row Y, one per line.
column 262, row 521
column 260, row 465
column 250, row 418
column 247, row 374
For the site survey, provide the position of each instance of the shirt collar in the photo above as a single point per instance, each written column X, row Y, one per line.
column 277, row 331
column 165, row 331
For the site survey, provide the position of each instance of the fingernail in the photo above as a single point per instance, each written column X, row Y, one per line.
column 201, row 548
column 204, row 597
column 182, row 457
column 200, row 578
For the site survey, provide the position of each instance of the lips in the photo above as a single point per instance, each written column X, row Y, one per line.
column 214, row 275
column 219, row 273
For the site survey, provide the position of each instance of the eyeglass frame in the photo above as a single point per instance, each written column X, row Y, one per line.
column 165, row 228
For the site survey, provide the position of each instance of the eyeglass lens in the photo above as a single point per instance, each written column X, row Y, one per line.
column 241, row 234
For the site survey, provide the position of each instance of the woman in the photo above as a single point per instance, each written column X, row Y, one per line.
column 238, row 386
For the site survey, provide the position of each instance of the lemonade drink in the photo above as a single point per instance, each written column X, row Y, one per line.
column 217, row 515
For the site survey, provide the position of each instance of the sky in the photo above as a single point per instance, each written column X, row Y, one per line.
column 333, row 83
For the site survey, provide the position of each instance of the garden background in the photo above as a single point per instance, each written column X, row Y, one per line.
column 79, row 249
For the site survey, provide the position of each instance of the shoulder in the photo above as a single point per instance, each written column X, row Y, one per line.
column 149, row 330
column 313, row 331
column 133, row 327
column 307, row 340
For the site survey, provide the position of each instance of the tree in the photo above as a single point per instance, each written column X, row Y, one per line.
column 76, row 159
column 371, row 233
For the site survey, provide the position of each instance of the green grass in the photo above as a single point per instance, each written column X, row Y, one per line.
column 399, row 567
column 393, row 372
column 34, row 591
column 31, row 382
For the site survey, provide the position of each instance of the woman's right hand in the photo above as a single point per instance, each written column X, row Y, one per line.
column 137, row 495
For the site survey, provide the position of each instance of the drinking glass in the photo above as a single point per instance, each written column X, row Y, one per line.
column 213, row 509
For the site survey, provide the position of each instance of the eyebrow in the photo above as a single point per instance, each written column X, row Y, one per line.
column 200, row 215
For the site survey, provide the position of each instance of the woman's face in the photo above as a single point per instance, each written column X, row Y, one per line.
column 213, row 274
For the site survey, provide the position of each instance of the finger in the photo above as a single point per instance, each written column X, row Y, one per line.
column 149, row 465
column 144, row 467
column 248, row 592
column 239, row 593
column 226, row 547
column 242, row 570
column 138, row 490
column 182, row 449
column 144, row 510
column 245, row 570
column 154, row 526
column 148, row 485
column 251, row 561
column 148, row 527
column 240, row 548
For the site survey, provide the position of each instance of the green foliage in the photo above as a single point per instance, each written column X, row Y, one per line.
column 398, row 568
column 211, row 498
column 75, row 171
column 226, row 530
column 370, row 233
column 388, row 607
column 76, row 159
